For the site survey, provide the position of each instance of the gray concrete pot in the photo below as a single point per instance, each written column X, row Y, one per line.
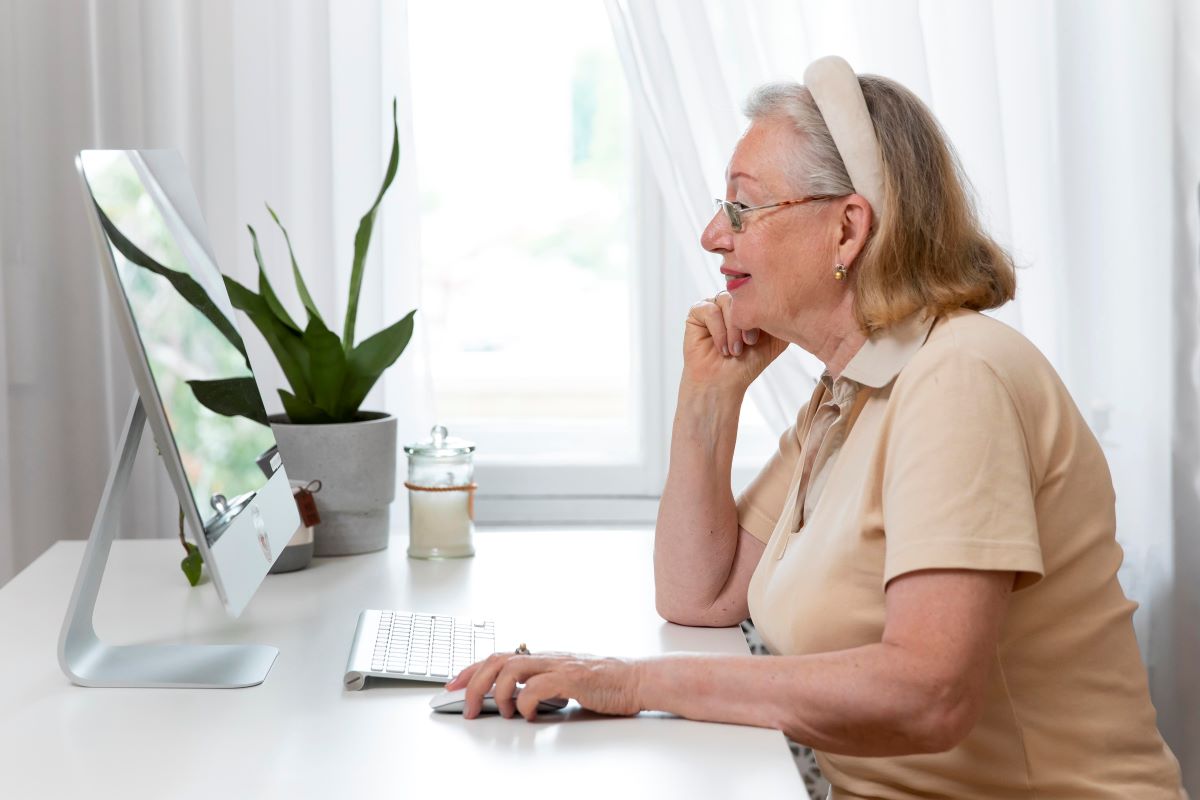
column 356, row 464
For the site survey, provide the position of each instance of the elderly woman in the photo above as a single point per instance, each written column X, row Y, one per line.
column 930, row 556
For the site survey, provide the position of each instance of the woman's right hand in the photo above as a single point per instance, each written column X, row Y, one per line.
column 717, row 354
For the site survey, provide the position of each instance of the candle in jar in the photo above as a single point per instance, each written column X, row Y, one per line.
column 441, row 494
column 440, row 523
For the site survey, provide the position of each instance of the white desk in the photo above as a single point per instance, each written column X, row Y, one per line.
column 300, row 735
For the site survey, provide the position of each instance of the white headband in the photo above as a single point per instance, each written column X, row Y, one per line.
column 839, row 98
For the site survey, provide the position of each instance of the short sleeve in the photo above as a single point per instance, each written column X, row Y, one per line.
column 957, row 483
column 762, row 501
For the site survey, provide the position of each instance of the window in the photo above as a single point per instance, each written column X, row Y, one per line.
column 554, row 344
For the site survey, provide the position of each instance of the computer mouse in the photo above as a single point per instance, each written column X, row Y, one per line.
column 454, row 702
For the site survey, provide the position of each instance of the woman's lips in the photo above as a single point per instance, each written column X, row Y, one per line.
column 734, row 281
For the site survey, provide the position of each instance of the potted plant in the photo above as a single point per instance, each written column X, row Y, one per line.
column 324, row 433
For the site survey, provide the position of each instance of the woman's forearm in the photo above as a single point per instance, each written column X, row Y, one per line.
column 875, row 700
column 696, row 533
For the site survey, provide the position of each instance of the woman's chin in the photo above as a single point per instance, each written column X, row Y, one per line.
column 738, row 318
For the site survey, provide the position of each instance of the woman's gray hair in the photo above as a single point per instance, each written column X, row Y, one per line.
column 817, row 168
column 930, row 250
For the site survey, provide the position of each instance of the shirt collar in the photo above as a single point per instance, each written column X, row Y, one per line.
column 886, row 352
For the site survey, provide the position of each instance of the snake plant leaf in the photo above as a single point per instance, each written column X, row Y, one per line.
column 302, row 412
column 362, row 239
column 329, row 377
column 301, row 288
column 187, row 286
column 264, row 287
column 374, row 355
column 284, row 342
column 231, row 397
column 327, row 367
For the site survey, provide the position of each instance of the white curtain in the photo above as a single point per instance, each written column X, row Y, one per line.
column 1076, row 122
column 1183, row 628
column 268, row 101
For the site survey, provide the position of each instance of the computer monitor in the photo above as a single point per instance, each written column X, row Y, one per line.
column 193, row 377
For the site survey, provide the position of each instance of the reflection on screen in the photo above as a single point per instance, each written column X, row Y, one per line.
column 183, row 317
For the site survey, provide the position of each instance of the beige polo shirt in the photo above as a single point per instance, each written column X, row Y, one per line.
column 954, row 444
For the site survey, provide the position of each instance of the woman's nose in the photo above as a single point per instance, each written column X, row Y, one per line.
column 715, row 237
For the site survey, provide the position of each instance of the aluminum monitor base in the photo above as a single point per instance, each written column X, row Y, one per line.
column 87, row 661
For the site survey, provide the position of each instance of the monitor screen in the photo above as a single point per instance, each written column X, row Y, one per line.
column 184, row 319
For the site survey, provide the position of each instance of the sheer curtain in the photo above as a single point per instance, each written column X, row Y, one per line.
column 1076, row 122
column 268, row 101
column 1184, row 632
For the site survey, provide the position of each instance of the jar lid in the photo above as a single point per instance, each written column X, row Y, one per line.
column 439, row 445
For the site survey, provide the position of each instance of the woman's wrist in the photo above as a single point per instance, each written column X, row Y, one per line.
column 639, row 669
column 657, row 680
column 709, row 399
column 707, row 417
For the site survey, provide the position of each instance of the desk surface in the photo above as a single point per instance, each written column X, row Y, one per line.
column 300, row 735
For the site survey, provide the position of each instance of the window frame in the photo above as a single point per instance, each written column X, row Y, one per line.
column 516, row 491
column 562, row 493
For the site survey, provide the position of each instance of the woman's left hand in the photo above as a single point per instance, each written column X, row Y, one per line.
column 603, row 685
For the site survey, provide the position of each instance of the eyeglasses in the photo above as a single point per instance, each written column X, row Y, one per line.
column 735, row 210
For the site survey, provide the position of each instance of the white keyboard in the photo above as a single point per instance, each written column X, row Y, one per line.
column 416, row 647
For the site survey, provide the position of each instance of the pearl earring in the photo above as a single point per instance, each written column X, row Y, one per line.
column 839, row 272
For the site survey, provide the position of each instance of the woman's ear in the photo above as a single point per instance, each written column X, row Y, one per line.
column 855, row 226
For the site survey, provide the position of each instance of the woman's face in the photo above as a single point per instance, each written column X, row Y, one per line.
column 788, row 252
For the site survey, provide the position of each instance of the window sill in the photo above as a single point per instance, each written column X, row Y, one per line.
column 566, row 510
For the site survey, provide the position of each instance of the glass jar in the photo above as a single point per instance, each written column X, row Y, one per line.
column 441, row 496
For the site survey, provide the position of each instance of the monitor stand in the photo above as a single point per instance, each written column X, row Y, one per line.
column 88, row 661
